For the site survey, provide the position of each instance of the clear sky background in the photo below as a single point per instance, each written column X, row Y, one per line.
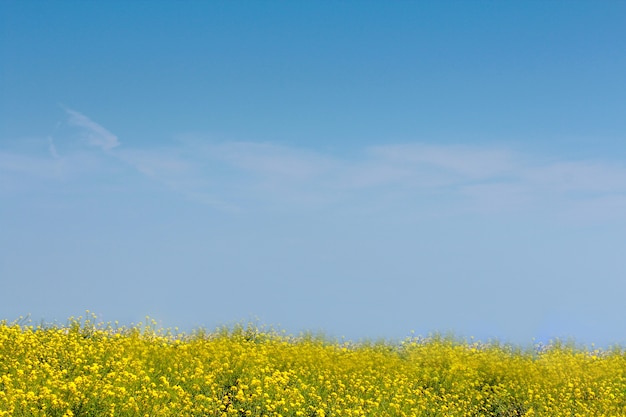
column 366, row 169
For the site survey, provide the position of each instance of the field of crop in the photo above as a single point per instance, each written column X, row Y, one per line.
column 87, row 368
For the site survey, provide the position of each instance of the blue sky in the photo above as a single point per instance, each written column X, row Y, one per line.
column 366, row 169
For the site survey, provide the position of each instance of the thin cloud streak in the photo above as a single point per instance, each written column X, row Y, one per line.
column 177, row 172
column 272, row 160
column 478, row 178
column 52, row 149
column 577, row 176
column 94, row 134
column 468, row 162
column 156, row 163
column 247, row 176
column 17, row 167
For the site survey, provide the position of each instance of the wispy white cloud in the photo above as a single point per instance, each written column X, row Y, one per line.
column 18, row 164
column 94, row 134
column 577, row 176
column 178, row 170
column 469, row 178
column 156, row 163
column 20, row 171
column 52, row 149
column 236, row 176
column 465, row 161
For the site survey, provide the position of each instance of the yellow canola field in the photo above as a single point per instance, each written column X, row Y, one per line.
column 89, row 369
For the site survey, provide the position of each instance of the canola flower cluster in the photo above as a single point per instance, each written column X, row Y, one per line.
column 92, row 369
